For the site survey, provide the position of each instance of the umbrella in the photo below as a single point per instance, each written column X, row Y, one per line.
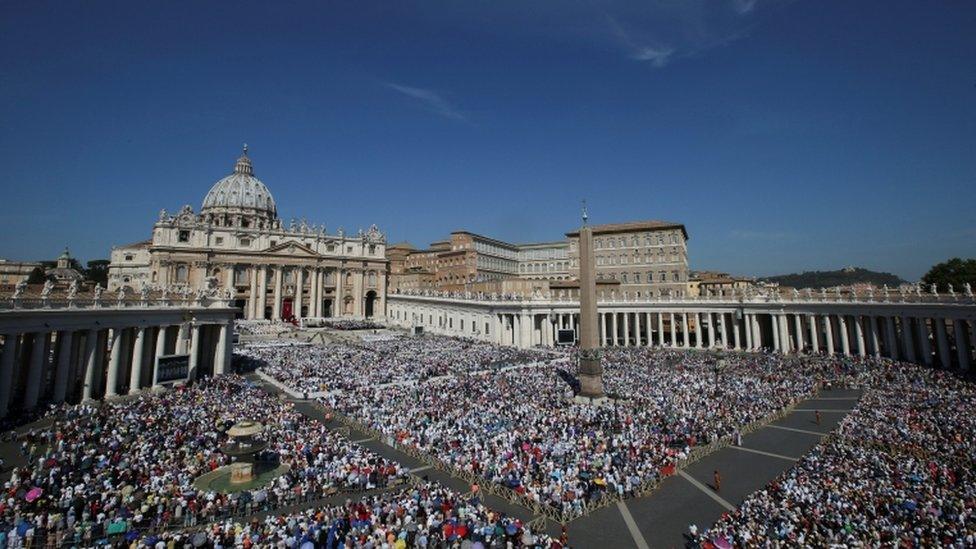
column 308, row 545
column 22, row 528
column 33, row 494
column 721, row 543
column 199, row 539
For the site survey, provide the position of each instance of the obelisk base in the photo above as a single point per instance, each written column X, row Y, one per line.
column 590, row 374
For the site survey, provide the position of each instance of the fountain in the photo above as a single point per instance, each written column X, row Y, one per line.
column 246, row 472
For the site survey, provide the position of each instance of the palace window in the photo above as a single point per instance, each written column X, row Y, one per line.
column 184, row 236
column 128, row 257
column 245, row 242
column 220, row 240
column 182, row 273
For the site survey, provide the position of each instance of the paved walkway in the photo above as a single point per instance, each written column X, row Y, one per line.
column 661, row 519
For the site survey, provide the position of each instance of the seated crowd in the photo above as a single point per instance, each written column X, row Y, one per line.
column 426, row 515
column 135, row 461
column 898, row 472
column 344, row 366
column 520, row 429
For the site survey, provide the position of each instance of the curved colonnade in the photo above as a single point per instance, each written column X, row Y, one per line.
column 61, row 351
column 930, row 330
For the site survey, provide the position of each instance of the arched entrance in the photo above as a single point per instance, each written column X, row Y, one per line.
column 347, row 306
column 370, row 300
column 327, row 308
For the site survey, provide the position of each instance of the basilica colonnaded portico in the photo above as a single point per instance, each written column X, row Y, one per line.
column 275, row 271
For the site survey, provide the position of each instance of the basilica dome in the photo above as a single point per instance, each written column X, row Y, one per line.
column 240, row 193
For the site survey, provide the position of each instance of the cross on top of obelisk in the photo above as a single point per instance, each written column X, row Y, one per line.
column 585, row 216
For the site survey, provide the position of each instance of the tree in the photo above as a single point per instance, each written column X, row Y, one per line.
column 36, row 276
column 955, row 271
column 98, row 271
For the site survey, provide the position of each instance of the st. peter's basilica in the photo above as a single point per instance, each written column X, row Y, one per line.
column 238, row 242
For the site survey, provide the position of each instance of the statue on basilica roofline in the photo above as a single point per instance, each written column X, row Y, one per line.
column 97, row 293
column 19, row 289
column 48, row 288
column 73, row 289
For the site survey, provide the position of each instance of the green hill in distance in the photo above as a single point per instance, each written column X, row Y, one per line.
column 841, row 277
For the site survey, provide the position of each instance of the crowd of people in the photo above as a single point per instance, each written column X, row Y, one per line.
column 420, row 516
column 351, row 324
column 135, row 462
column 262, row 328
column 347, row 366
column 522, row 428
column 898, row 472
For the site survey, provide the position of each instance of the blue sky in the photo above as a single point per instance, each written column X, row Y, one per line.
column 786, row 135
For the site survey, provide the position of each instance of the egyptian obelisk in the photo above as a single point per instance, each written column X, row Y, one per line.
column 590, row 370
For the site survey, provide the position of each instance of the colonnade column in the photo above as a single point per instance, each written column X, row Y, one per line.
column 613, row 329
column 891, row 343
column 92, row 363
column 648, row 329
column 711, row 330
column 962, row 343
column 626, row 329
column 923, row 341
column 736, row 338
column 314, row 294
column 698, row 331
column 829, row 334
column 7, row 370
column 603, row 329
column 798, row 328
column 660, row 329
column 749, row 343
column 874, row 338
column 220, row 353
column 114, row 362
column 194, row 352
column 35, row 369
column 859, row 335
column 135, row 375
column 685, row 341
column 908, row 338
column 160, row 351
column 814, row 339
column 777, row 340
column 674, row 332
column 783, row 330
column 756, row 333
column 65, row 339
column 943, row 342
column 723, row 331
column 845, row 343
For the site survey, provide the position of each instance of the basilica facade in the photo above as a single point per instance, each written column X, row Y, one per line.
column 238, row 242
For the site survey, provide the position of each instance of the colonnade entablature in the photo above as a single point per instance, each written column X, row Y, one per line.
column 925, row 328
column 60, row 349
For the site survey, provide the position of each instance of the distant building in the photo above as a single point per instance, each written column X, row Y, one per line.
column 63, row 272
column 638, row 259
column 12, row 272
column 647, row 258
column 711, row 283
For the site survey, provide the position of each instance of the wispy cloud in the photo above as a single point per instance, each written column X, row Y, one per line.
column 639, row 50
column 431, row 100
column 744, row 6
